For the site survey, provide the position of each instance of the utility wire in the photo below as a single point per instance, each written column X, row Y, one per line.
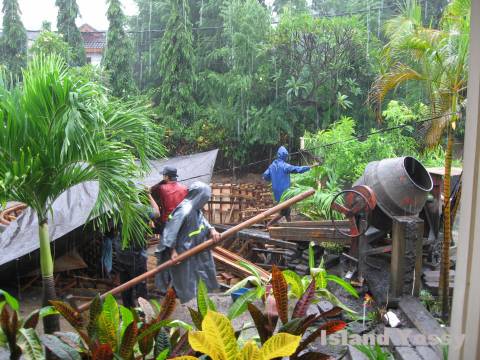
column 359, row 137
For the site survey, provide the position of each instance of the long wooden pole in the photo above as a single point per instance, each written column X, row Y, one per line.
column 203, row 246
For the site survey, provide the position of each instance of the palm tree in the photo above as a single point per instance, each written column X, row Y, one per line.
column 437, row 58
column 58, row 131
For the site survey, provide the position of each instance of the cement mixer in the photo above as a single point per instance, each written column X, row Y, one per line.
column 387, row 188
column 390, row 190
column 401, row 186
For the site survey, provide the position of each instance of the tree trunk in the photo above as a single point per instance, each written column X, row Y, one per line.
column 444, row 282
column 50, row 323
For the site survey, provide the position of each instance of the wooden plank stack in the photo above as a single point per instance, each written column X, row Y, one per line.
column 234, row 203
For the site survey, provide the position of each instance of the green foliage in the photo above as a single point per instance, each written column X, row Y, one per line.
column 118, row 55
column 114, row 329
column 344, row 156
column 17, row 334
column 67, row 147
column 295, row 5
column 298, row 322
column 203, row 300
column 13, row 43
column 49, row 42
column 67, row 14
column 374, row 352
column 435, row 157
column 431, row 303
column 217, row 340
column 317, row 206
column 58, row 132
column 320, row 278
column 97, row 75
column 326, row 58
column 251, row 85
column 257, row 292
column 176, row 66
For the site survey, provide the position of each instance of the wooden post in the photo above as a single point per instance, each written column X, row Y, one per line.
column 465, row 323
column 406, row 263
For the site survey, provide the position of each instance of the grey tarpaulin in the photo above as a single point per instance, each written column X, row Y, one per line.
column 72, row 208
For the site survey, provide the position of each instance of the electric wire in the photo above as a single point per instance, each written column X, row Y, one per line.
column 360, row 137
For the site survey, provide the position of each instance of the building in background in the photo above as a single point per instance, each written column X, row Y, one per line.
column 94, row 42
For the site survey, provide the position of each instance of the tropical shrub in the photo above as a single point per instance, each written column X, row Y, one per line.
column 114, row 331
column 16, row 334
column 49, row 42
column 257, row 292
column 319, row 277
column 217, row 340
column 277, row 307
column 58, row 131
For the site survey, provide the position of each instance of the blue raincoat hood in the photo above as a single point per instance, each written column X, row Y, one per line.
column 282, row 153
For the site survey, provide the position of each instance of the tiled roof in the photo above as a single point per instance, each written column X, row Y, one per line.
column 94, row 44
column 92, row 38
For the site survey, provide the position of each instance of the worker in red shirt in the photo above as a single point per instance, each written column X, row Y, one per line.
column 168, row 194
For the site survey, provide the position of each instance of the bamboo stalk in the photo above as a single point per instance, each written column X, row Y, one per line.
column 202, row 247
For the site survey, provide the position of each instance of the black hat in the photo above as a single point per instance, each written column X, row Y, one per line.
column 170, row 171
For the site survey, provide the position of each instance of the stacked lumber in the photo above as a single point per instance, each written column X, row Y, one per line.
column 234, row 203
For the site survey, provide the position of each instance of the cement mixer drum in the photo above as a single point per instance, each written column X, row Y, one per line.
column 401, row 186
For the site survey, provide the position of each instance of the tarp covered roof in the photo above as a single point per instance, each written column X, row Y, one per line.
column 73, row 207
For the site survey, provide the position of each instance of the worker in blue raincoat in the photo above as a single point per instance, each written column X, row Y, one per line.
column 279, row 174
column 187, row 228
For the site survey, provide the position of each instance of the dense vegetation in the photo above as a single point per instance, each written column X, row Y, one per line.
column 68, row 12
column 243, row 76
column 13, row 44
column 255, row 77
column 117, row 59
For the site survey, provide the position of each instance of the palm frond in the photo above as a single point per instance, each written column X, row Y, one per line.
column 60, row 131
column 389, row 81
